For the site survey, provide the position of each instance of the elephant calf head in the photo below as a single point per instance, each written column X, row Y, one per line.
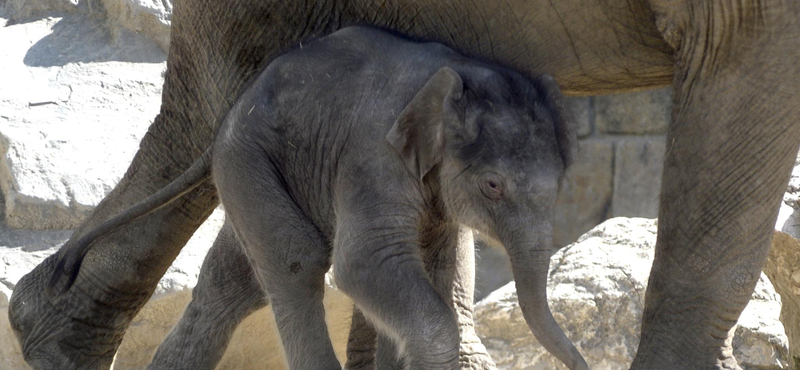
column 500, row 144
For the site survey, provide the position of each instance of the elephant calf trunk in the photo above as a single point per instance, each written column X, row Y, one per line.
column 531, row 280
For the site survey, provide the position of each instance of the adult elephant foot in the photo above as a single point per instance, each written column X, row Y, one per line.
column 80, row 329
column 54, row 337
column 730, row 150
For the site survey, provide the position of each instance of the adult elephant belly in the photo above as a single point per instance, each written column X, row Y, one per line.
column 590, row 46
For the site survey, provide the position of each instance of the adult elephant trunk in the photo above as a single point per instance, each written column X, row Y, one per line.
column 530, row 262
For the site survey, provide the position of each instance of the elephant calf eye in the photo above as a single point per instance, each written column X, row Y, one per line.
column 491, row 188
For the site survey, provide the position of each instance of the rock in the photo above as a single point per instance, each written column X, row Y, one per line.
column 783, row 269
column 761, row 341
column 17, row 10
column 69, row 93
column 596, row 291
column 637, row 177
column 783, row 263
column 792, row 194
column 646, row 112
column 254, row 345
column 585, row 194
column 150, row 18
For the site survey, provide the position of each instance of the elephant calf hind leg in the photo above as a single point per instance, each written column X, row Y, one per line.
column 226, row 293
column 288, row 254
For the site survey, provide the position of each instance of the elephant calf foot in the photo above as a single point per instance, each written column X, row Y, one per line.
column 72, row 331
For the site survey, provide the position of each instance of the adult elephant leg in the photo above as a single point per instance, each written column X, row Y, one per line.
column 226, row 293
column 215, row 47
column 731, row 148
column 361, row 343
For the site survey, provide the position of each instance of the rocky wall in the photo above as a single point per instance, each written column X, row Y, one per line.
column 618, row 169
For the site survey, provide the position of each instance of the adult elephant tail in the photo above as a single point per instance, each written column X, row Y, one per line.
column 72, row 254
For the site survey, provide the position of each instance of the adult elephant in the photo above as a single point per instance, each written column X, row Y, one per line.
column 731, row 146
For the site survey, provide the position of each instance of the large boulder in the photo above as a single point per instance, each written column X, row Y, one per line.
column 596, row 292
column 150, row 18
column 71, row 116
column 783, row 269
column 783, row 263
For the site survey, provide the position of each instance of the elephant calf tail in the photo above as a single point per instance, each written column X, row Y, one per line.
column 73, row 253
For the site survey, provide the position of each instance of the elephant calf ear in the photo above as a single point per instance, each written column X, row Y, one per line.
column 562, row 119
column 418, row 132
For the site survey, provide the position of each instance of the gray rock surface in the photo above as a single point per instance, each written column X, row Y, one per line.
column 783, row 270
column 150, row 18
column 596, row 291
column 783, row 263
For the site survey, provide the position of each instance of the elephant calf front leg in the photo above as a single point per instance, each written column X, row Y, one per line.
column 450, row 263
column 376, row 262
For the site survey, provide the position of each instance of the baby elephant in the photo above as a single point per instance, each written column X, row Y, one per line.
column 366, row 150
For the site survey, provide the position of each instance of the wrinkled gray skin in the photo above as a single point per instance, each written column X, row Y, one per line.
column 730, row 149
column 370, row 151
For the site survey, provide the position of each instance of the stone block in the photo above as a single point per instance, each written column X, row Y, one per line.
column 586, row 191
column 645, row 112
column 580, row 109
column 637, row 177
